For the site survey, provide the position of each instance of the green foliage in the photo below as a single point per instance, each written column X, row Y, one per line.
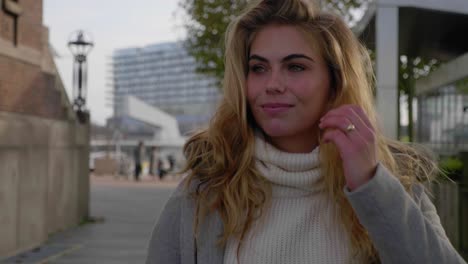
column 452, row 167
column 412, row 69
column 208, row 20
column 451, row 164
column 405, row 139
column 347, row 9
column 462, row 86
column 91, row 220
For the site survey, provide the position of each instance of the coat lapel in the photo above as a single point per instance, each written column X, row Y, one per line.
column 207, row 249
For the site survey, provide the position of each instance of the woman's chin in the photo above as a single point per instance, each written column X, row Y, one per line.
column 275, row 131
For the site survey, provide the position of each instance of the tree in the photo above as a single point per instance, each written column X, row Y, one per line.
column 206, row 24
column 410, row 70
column 462, row 86
column 349, row 10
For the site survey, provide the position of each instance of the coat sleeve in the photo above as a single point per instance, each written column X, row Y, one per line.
column 403, row 229
column 164, row 245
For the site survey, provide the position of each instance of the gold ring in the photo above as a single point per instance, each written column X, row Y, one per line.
column 350, row 128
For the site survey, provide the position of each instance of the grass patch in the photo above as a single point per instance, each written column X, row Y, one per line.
column 91, row 220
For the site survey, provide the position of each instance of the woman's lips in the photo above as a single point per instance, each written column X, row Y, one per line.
column 276, row 108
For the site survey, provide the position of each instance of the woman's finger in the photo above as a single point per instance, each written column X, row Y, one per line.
column 339, row 138
column 340, row 122
column 360, row 112
column 354, row 118
column 357, row 140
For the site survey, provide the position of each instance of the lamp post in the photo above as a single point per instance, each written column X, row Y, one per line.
column 80, row 44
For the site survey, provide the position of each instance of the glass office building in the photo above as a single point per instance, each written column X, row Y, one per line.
column 163, row 75
column 443, row 118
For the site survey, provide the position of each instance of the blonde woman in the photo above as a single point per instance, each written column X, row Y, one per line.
column 293, row 167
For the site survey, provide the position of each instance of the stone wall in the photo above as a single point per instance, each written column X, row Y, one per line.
column 44, row 150
column 44, row 183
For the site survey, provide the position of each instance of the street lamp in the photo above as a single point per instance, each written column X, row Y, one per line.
column 80, row 44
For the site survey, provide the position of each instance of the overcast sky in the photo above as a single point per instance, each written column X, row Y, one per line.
column 113, row 24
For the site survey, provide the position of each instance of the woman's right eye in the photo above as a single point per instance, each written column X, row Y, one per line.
column 257, row 68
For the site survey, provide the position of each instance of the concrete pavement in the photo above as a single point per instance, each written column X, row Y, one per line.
column 125, row 213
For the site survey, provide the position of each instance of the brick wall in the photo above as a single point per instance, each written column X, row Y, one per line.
column 6, row 25
column 30, row 24
column 25, row 87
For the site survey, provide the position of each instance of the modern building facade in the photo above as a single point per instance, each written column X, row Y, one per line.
column 416, row 28
column 163, row 75
column 443, row 119
column 139, row 122
column 442, row 96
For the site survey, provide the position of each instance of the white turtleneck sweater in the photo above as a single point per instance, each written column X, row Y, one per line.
column 300, row 225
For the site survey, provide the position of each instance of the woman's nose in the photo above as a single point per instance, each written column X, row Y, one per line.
column 275, row 83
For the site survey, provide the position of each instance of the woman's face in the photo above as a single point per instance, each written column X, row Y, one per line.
column 288, row 85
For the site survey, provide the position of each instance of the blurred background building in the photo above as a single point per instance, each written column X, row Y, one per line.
column 443, row 108
column 163, row 75
column 158, row 98
column 44, row 175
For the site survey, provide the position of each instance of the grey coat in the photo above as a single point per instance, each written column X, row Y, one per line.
column 403, row 228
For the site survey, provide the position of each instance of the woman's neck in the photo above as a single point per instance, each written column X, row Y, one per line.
column 304, row 143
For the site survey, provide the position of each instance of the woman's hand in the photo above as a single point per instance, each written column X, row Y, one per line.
column 349, row 128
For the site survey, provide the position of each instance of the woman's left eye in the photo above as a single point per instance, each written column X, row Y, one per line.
column 295, row 68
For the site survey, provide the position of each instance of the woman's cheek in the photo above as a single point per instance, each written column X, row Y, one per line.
column 253, row 92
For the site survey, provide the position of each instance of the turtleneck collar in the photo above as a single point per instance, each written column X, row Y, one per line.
column 291, row 174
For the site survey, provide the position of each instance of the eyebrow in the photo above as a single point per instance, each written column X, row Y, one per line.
column 287, row 58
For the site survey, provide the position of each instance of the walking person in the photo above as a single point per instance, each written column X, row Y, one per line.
column 293, row 167
column 138, row 156
column 163, row 167
column 154, row 162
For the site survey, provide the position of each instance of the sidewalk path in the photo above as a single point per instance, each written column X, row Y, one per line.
column 128, row 211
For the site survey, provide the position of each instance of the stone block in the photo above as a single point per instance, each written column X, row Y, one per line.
column 19, row 131
column 105, row 166
column 32, row 197
column 70, row 187
column 61, row 134
column 55, row 190
column 82, row 167
column 9, row 180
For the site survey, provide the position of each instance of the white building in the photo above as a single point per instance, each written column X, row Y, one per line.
column 164, row 76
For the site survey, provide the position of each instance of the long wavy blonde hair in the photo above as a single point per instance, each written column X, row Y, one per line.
column 221, row 157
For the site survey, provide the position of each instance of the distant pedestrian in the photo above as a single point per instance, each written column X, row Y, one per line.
column 154, row 161
column 138, row 156
column 171, row 161
column 163, row 168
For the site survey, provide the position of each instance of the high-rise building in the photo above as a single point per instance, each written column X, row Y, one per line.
column 164, row 76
